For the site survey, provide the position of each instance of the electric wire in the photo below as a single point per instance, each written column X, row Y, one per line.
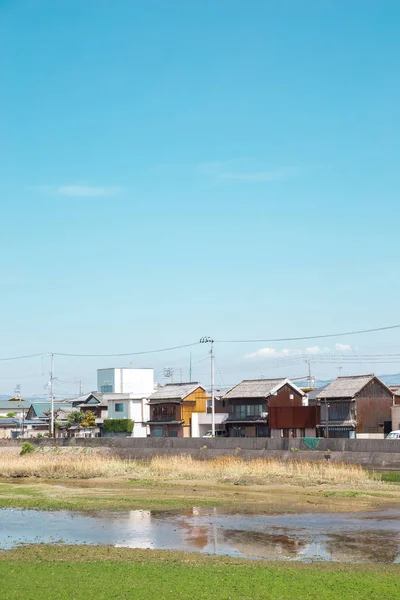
column 309, row 337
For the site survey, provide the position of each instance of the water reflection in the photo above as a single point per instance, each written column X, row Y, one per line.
column 363, row 538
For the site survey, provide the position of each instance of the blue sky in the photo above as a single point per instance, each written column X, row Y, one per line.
column 171, row 169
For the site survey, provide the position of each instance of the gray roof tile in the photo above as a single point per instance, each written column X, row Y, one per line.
column 255, row 388
column 345, row 387
column 174, row 391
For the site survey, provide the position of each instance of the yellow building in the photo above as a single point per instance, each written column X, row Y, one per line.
column 172, row 406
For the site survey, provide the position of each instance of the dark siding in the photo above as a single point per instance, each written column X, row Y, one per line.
column 373, row 407
column 374, row 389
column 293, row 417
column 282, row 398
column 371, row 413
column 338, row 410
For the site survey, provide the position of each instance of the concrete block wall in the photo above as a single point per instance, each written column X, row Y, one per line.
column 372, row 454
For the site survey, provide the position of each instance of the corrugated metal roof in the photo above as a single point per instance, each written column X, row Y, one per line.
column 174, row 391
column 313, row 395
column 255, row 388
column 345, row 387
column 12, row 405
column 7, row 421
column 42, row 410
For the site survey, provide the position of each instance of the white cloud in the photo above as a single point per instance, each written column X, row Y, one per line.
column 247, row 170
column 287, row 352
column 86, row 191
column 259, row 176
column 343, row 347
column 316, row 350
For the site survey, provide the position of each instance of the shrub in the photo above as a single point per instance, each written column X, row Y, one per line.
column 27, row 448
column 74, row 418
column 89, row 419
column 118, row 425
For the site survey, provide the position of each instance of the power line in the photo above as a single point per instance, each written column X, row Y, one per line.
column 126, row 353
column 121, row 354
column 308, row 337
column 22, row 357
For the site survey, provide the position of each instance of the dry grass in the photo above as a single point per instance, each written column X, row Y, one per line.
column 236, row 470
column 62, row 465
column 83, row 465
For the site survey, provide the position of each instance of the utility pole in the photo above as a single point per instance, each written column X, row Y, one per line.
column 52, row 396
column 326, row 419
column 310, row 377
column 180, row 373
column 208, row 340
column 80, row 387
column 190, row 367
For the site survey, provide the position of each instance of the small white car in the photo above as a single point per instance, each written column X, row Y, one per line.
column 218, row 433
column 394, row 435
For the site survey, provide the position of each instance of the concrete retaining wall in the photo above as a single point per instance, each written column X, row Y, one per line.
column 373, row 454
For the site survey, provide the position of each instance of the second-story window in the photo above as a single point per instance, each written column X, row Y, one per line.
column 241, row 411
column 164, row 411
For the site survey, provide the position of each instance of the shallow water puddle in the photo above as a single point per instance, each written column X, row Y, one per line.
column 361, row 537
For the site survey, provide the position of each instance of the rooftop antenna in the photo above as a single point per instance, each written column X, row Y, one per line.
column 190, row 367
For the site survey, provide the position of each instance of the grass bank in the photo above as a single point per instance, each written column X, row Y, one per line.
column 81, row 464
column 87, row 480
column 106, row 573
column 129, row 494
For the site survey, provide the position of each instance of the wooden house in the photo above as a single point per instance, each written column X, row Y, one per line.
column 355, row 406
column 172, row 406
column 249, row 404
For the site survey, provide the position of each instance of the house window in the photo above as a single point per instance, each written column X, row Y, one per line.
column 241, row 411
column 119, row 407
column 106, row 388
column 164, row 412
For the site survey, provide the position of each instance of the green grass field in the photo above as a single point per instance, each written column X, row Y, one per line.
column 109, row 573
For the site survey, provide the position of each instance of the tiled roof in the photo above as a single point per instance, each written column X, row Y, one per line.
column 258, row 388
column 174, row 391
column 345, row 387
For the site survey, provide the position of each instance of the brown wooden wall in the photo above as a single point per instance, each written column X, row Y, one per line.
column 282, row 398
column 375, row 389
column 293, row 417
column 370, row 412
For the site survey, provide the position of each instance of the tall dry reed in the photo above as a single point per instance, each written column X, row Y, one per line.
column 258, row 470
column 82, row 465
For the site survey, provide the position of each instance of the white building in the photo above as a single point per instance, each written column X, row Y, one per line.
column 16, row 406
column 126, row 391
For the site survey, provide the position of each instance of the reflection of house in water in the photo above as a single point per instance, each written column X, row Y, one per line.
column 139, row 532
column 257, row 544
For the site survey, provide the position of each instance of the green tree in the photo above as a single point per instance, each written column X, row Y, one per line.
column 10, row 415
column 74, row 418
